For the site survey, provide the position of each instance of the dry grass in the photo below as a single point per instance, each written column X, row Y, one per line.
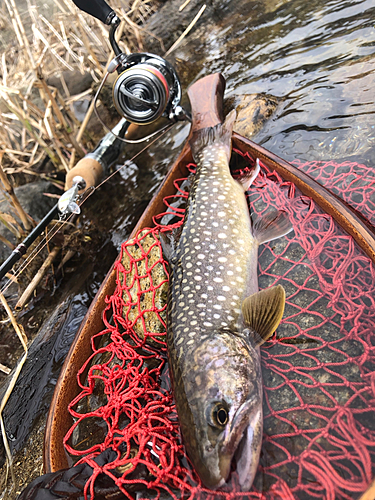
column 35, row 120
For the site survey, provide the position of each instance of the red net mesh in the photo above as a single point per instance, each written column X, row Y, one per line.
column 318, row 370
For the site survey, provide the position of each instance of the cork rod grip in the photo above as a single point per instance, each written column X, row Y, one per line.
column 88, row 168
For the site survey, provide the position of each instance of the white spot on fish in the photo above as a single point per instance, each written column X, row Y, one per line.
column 218, row 280
column 207, row 323
column 222, row 235
column 197, row 277
column 220, row 297
column 222, row 259
column 221, row 214
column 217, row 306
column 226, row 288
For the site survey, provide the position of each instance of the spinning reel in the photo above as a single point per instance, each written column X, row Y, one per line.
column 147, row 86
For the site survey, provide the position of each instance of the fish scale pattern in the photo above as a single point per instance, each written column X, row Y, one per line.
column 318, row 369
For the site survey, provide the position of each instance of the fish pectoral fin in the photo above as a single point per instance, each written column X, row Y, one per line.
column 167, row 245
column 246, row 180
column 262, row 312
column 271, row 226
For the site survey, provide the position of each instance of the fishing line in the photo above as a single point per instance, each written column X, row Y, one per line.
column 61, row 224
column 44, row 242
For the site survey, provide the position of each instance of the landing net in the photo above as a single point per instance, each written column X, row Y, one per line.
column 318, row 369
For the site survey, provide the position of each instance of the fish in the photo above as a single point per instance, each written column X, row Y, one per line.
column 217, row 318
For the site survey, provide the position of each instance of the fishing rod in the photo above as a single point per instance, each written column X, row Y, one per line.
column 147, row 88
column 92, row 166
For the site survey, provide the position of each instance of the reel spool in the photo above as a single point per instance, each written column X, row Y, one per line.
column 146, row 89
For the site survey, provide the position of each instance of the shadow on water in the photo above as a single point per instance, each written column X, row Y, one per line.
column 316, row 57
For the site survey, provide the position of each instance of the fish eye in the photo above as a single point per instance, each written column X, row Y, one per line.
column 219, row 415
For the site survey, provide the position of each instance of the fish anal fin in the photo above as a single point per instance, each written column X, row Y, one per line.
column 248, row 179
column 262, row 312
column 271, row 226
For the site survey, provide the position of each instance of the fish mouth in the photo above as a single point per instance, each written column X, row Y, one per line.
column 243, row 444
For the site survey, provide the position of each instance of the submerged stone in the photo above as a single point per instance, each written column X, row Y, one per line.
column 145, row 288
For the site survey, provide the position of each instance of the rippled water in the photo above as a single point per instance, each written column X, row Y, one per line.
column 316, row 57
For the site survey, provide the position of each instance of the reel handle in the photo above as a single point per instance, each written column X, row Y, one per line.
column 88, row 168
column 96, row 8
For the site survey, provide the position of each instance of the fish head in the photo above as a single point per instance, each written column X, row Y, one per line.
column 221, row 420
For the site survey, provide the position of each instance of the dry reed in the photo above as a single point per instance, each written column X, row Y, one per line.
column 35, row 120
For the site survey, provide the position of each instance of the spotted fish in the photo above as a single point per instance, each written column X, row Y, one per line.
column 217, row 318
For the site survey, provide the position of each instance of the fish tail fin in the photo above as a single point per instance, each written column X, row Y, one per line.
column 219, row 134
column 271, row 226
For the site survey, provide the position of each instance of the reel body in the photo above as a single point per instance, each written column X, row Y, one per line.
column 146, row 89
column 147, row 86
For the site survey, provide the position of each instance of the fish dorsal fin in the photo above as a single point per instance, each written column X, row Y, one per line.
column 221, row 133
column 271, row 226
column 262, row 312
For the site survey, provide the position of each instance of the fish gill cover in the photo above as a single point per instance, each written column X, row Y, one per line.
column 318, row 369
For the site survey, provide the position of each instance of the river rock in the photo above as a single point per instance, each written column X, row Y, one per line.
column 146, row 256
column 253, row 110
column 159, row 32
column 33, row 201
column 75, row 81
